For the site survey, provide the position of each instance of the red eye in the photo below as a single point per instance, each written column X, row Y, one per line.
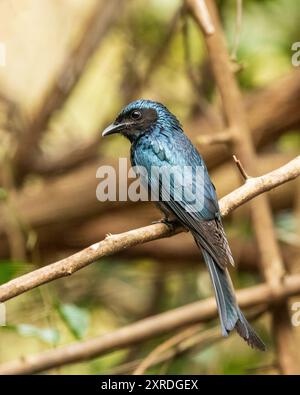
column 136, row 114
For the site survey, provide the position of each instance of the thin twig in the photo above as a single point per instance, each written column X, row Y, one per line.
column 163, row 347
column 183, row 339
column 193, row 344
column 241, row 168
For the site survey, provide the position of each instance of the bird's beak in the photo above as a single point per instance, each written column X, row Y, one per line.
column 114, row 128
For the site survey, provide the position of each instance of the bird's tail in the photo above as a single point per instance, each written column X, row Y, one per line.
column 230, row 314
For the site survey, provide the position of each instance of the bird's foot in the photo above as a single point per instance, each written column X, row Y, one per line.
column 166, row 221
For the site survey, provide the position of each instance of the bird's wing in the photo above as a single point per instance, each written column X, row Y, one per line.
column 198, row 211
column 209, row 234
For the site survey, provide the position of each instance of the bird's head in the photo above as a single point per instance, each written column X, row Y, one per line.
column 140, row 117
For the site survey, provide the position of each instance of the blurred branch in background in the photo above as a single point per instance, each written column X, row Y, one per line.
column 10, row 123
column 101, row 19
column 266, row 122
column 271, row 262
column 193, row 336
column 164, row 347
column 73, row 218
column 114, row 243
column 148, row 328
column 48, row 212
column 238, row 28
column 176, row 346
column 133, row 84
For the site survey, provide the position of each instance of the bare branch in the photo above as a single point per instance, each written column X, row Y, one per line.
column 262, row 184
column 165, row 346
column 267, row 123
column 202, row 15
column 115, row 243
column 145, row 329
column 191, row 337
column 218, row 138
column 193, row 344
column 272, row 266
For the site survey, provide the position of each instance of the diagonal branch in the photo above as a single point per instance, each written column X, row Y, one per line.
column 145, row 329
column 115, row 243
column 102, row 17
column 272, row 265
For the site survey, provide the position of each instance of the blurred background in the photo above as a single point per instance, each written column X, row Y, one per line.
column 67, row 68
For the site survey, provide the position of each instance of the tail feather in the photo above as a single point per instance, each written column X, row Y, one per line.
column 245, row 330
column 230, row 314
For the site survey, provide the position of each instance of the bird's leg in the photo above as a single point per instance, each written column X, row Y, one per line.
column 166, row 220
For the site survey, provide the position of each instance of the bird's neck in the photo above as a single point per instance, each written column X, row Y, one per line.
column 137, row 135
column 166, row 127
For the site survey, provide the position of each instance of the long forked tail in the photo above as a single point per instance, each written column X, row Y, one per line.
column 230, row 314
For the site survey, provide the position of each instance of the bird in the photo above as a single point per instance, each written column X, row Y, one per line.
column 158, row 141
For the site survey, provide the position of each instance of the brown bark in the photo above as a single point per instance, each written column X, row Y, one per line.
column 115, row 243
column 65, row 212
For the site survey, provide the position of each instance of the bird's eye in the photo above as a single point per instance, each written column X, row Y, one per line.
column 136, row 114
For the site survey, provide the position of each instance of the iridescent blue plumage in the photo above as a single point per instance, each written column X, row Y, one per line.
column 168, row 146
column 158, row 141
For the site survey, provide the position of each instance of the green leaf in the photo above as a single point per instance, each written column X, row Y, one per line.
column 48, row 335
column 10, row 269
column 76, row 318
